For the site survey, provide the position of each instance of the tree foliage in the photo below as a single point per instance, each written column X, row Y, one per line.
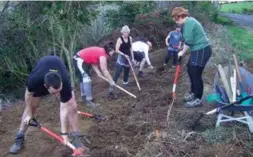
column 30, row 30
column 127, row 11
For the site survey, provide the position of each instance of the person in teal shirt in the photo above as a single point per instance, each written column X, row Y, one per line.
column 197, row 41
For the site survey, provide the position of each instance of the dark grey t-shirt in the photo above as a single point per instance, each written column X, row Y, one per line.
column 35, row 81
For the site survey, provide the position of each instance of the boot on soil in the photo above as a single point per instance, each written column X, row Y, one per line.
column 189, row 97
column 125, row 85
column 141, row 74
column 75, row 139
column 194, row 103
column 18, row 143
column 92, row 105
column 111, row 95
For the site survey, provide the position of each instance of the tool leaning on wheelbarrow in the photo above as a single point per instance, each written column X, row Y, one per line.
column 196, row 122
column 76, row 151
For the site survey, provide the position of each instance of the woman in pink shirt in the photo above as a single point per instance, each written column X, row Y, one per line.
column 95, row 57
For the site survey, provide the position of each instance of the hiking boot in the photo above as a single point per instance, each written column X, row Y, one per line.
column 125, row 85
column 19, row 143
column 141, row 74
column 189, row 97
column 194, row 103
column 84, row 98
column 92, row 105
column 111, row 95
column 75, row 139
column 110, row 89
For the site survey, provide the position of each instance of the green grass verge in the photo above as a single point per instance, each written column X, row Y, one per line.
column 241, row 40
column 236, row 7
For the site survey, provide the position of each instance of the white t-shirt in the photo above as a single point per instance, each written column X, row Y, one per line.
column 141, row 47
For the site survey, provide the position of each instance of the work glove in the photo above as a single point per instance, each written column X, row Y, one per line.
column 150, row 67
column 180, row 54
column 112, row 83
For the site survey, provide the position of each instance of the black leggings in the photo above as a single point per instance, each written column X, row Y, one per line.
column 195, row 75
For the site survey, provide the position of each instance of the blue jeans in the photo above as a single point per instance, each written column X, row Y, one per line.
column 170, row 52
column 118, row 72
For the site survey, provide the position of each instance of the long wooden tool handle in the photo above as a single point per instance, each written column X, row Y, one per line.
column 135, row 77
column 119, row 87
column 225, row 82
column 237, row 68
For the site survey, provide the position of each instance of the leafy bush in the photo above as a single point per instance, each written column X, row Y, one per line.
column 155, row 26
column 223, row 20
column 247, row 11
column 127, row 11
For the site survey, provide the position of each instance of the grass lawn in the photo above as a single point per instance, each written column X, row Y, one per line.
column 242, row 41
column 236, row 7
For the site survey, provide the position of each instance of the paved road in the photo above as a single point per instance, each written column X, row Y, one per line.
column 243, row 20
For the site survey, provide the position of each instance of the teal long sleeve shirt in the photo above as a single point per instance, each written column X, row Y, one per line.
column 194, row 34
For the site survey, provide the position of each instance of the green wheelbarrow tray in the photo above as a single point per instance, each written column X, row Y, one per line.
column 213, row 98
column 245, row 105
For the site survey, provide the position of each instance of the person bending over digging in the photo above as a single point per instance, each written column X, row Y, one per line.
column 173, row 41
column 141, row 50
column 49, row 76
column 124, row 50
column 196, row 39
column 92, row 57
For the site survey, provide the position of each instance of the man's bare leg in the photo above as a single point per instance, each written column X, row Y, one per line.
column 73, row 120
column 35, row 103
column 73, row 115
column 20, row 136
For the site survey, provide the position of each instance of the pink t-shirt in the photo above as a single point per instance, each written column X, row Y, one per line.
column 91, row 54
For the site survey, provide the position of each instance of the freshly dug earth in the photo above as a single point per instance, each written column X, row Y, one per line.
column 134, row 127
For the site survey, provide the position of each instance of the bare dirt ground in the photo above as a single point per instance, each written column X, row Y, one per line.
column 132, row 125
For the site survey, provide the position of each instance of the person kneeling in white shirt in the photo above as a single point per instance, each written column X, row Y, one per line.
column 141, row 50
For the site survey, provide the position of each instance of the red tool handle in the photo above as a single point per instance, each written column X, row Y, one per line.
column 35, row 123
column 52, row 134
column 176, row 80
column 85, row 114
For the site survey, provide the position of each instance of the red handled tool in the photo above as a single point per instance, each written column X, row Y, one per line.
column 176, row 78
column 178, row 69
column 76, row 151
column 95, row 116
